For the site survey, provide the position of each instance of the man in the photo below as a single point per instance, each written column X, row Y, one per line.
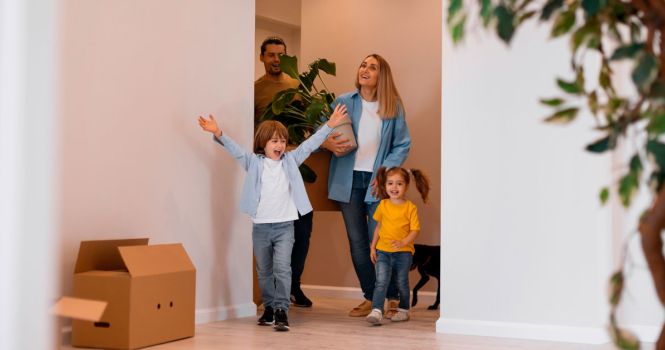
column 265, row 89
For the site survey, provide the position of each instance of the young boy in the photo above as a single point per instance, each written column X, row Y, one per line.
column 273, row 194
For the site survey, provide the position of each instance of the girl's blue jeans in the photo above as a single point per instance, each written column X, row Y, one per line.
column 395, row 264
column 273, row 243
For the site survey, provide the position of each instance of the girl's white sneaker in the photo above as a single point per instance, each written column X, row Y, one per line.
column 375, row 316
column 400, row 316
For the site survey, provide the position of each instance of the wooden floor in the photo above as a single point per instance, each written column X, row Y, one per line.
column 327, row 326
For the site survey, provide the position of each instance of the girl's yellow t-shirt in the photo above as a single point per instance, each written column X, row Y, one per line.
column 397, row 220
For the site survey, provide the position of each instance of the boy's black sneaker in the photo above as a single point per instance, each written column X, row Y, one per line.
column 268, row 317
column 281, row 320
column 299, row 299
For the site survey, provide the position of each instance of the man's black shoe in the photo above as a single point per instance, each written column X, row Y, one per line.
column 268, row 317
column 281, row 321
column 299, row 299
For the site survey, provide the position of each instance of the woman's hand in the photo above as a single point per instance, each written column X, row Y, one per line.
column 372, row 255
column 210, row 125
column 338, row 116
column 374, row 188
column 336, row 144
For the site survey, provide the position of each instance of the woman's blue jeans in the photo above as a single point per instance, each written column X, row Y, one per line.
column 360, row 224
column 272, row 248
column 395, row 264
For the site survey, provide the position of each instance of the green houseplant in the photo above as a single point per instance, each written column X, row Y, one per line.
column 305, row 108
column 614, row 30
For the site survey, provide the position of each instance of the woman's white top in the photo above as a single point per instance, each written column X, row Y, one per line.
column 369, row 136
column 276, row 202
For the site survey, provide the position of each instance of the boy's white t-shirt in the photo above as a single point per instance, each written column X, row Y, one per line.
column 369, row 136
column 276, row 202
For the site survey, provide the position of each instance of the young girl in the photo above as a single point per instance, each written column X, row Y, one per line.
column 392, row 246
column 273, row 194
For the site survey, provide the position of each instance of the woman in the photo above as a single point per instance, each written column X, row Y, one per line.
column 377, row 113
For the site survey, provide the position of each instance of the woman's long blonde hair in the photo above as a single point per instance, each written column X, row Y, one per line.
column 390, row 103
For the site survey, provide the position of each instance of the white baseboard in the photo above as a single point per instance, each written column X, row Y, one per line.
column 583, row 335
column 225, row 313
column 646, row 334
column 347, row 290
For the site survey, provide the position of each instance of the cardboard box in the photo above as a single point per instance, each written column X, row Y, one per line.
column 78, row 309
column 150, row 290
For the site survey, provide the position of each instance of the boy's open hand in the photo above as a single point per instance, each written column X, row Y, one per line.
column 338, row 116
column 210, row 125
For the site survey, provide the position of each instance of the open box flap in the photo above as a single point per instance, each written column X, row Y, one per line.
column 103, row 255
column 79, row 309
column 156, row 259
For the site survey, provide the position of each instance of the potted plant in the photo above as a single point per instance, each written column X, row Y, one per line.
column 303, row 110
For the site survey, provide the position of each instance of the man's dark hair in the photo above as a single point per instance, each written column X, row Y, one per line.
column 273, row 40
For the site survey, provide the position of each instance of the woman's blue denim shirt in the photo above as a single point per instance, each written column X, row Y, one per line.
column 393, row 150
column 253, row 164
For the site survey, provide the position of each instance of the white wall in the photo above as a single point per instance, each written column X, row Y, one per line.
column 527, row 248
column 27, row 138
column 134, row 160
column 408, row 35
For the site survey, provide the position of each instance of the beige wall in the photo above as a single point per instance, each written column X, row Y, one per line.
column 134, row 161
column 408, row 35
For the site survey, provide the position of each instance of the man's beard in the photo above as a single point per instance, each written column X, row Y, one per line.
column 275, row 71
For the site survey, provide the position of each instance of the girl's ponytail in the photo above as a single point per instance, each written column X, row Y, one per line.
column 381, row 182
column 422, row 183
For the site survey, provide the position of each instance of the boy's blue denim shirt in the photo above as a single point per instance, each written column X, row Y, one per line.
column 253, row 164
column 393, row 150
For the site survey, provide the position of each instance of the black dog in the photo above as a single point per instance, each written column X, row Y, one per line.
column 427, row 260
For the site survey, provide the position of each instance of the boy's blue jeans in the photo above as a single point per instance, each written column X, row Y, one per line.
column 272, row 248
column 395, row 264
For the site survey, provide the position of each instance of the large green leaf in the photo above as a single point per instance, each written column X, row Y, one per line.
column 486, row 11
column 656, row 125
column 550, row 7
column 563, row 116
column 506, row 23
column 645, row 72
column 605, row 78
column 282, row 99
column 604, row 144
column 457, row 30
column 604, row 195
column 657, row 150
column 554, row 102
column 563, row 23
column 628, row 51
column 589, row 33
column 307, row 78
column 570, row 87
column 313, row 111
column 592, row 7
column 289, row 65
column 628, row 187
column 453, row 8
column 592, row 102
column 327, row 66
